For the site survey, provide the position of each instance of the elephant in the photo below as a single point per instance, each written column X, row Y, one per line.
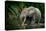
column 30, row 15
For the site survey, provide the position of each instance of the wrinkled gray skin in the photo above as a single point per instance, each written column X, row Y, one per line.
column 31, row 12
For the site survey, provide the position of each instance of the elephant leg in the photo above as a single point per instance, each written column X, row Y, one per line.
column 33, row 20
column 39, row 20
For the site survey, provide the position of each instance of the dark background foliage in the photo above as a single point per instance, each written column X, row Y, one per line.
column 13, row 10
